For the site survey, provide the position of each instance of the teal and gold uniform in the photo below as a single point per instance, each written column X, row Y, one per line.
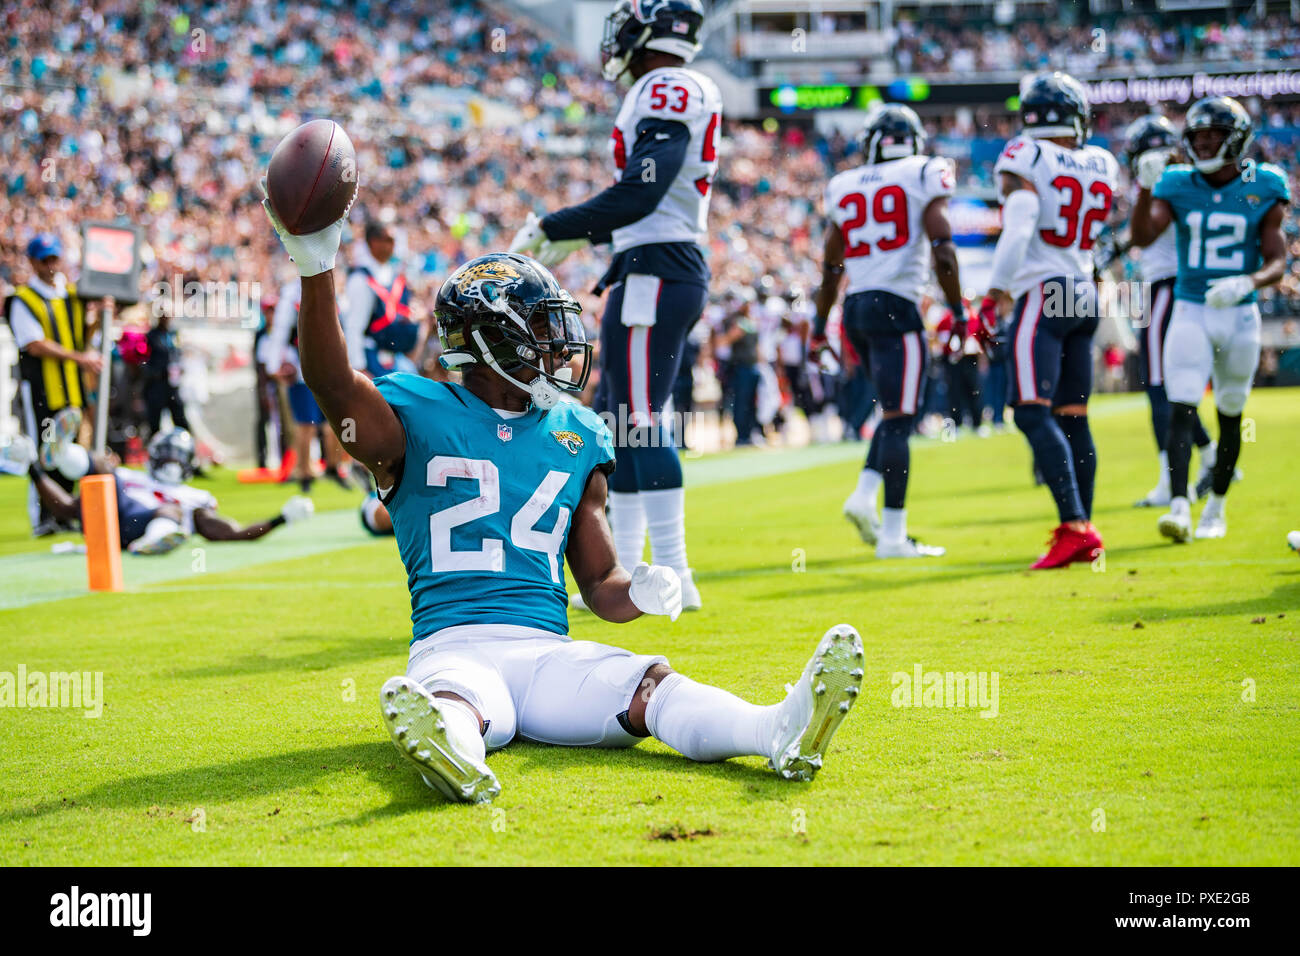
column 482, row 510
column 1218, row 226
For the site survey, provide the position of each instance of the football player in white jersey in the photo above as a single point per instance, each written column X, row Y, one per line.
column 1056, row 195
column 664, row 145
column 886, row 218
column 1159, row 267
column 156, row 510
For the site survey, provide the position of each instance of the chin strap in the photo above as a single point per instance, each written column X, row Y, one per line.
column 543, row 394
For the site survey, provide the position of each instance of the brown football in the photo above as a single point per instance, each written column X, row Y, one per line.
column 312, row 178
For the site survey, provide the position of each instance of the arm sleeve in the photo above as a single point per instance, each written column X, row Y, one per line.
column 26, row 327
column 360, row 303
column 1019, row 216
column 655, row 162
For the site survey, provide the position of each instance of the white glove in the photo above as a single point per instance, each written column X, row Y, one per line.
column 529, row 237
column 297, row 508
column 552, row 253
column 1150, row 165
column 313, row 253
column 1227, row 291
column 656, row 589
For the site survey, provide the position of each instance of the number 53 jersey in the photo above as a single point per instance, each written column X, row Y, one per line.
column 1075, row 190
column 1218, row 226
column 879, row 210
column 482, row 510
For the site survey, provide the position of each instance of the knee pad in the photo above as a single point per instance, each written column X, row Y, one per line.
column 1230, row 401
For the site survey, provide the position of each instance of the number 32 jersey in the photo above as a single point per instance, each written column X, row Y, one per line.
column 1075, row 189
column 692, row 99
column 482, row 511
column 878, row 209
column 1218, row 226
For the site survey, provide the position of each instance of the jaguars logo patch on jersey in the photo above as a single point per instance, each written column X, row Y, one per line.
column 570, row 440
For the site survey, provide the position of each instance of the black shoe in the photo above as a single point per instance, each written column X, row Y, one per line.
column 305, row 485
column 341, row 480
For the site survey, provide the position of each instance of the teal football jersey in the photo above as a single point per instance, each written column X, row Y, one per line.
column 482, row 510
column 1218, row 226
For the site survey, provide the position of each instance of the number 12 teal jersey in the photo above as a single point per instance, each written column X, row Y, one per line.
column 482, row 511
column 1218, row 226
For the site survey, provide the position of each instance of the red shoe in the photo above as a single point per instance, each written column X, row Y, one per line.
column 1069, row 546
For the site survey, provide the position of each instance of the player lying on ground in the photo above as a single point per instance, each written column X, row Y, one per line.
column 155, row 511
column 491, row 486
column 1056, row 193
column 885, row 218
column 1228, row 213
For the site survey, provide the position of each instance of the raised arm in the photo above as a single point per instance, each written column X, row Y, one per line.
column 364, row 422
column 1151, row 216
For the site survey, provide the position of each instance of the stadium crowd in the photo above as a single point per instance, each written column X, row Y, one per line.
column 464, row 119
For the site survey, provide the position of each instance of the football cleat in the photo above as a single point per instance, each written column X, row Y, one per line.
column 908, row 548
column 865, row 518
column 161, row 535
column 1157, row 497
column 1293, row 541
column 1068, row 546
column 18, row 452
column 817, row 704
column 1213, row 523
column 416, row 723
column 690, row 593
column 1176, row 525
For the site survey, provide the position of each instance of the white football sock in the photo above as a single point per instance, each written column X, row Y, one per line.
column 1163, row 483
column 627, row 522
column 665, row 515
column 1210, row 454
column 893, row 524
column 462, row 728
column 1213, row 506
column 1180, row 506
column 864, row 495
column 706, row 723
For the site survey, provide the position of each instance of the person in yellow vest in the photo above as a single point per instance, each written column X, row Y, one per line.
column 48, row 320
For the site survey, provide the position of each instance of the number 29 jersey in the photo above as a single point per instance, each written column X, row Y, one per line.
column 692, row 99
column 1218, row 226
column 1075, row 190
column 482, row 511
column 878, row 209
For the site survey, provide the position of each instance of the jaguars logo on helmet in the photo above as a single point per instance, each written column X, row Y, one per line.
column 669, row 26
column 508, row 313
column 1145, row 134
column 1055, row 104
column 891, row 132
column 1221, row 113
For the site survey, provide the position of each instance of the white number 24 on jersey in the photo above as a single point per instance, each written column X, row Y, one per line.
column 491, row 555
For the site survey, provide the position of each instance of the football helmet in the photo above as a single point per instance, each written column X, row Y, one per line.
column 507, row 312
column 1219, row 112
column 669, row 26
column 171, row 457
column 1146, row 133
column 1055, row 104
column 891, row 132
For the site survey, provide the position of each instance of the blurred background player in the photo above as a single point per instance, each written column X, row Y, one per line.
column 162, row 374
column 1158, row 267
column 1228, row 213
column 157, row 510
column 1056, row 194
column 656, row 216
column 49, row 324
column 885, row 220
column 377, row 322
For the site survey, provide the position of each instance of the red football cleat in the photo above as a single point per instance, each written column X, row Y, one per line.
column 1069, row 546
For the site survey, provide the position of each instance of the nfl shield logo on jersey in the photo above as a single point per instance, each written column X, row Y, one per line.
column 504, row 432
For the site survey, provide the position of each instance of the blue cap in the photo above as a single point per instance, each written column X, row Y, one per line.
column 43, row 246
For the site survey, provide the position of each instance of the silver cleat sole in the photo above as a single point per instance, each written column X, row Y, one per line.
column 836, row 674
column 1173, row 529
column 415, row 723
column 868, row 526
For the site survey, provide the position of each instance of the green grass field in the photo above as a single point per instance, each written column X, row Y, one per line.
column 240, row 722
